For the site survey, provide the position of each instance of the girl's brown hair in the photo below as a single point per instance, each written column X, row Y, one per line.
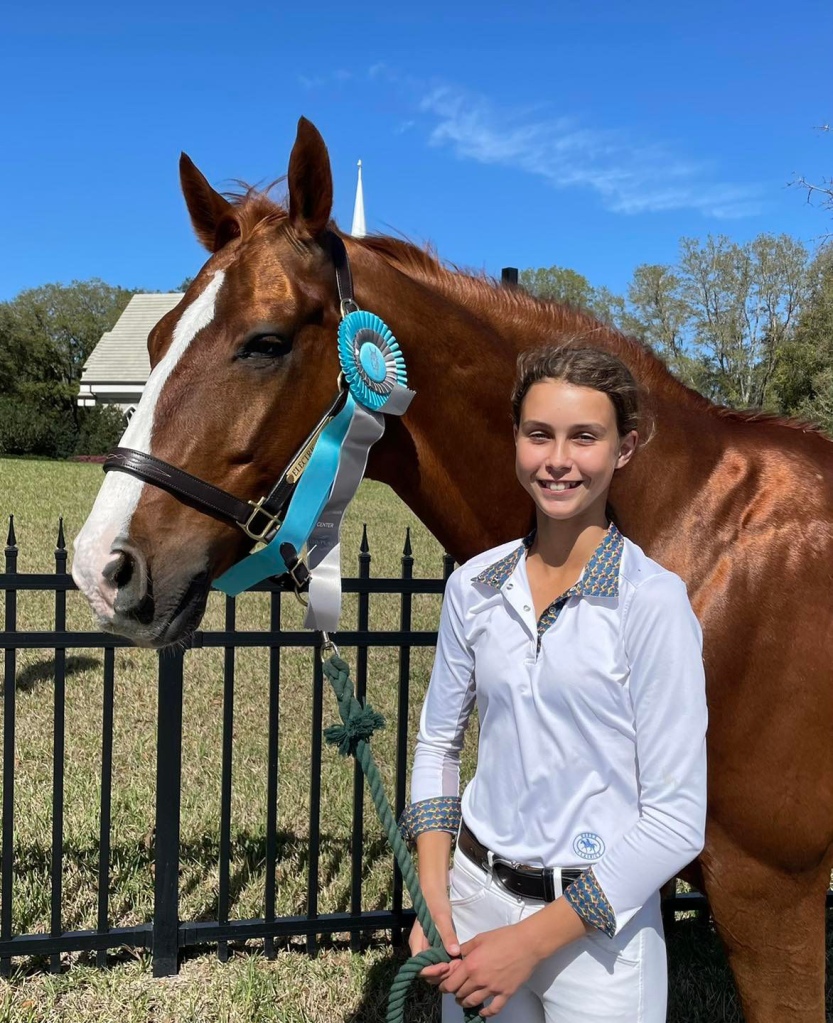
column 581, row 367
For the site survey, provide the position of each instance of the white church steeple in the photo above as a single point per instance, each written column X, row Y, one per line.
column 359, row 229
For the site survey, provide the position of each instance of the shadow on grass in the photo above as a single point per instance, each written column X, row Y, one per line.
column 198, row 863
column 28, row 678
column 701, row 989
column 700, row 984
column 423, row 1004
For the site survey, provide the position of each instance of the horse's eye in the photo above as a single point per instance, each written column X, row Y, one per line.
column 264, row 346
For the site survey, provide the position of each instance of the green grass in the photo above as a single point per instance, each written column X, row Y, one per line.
column 335, row 985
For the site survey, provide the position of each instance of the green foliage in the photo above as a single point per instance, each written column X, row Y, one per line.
column 804, row 381
column 46, row 336
column 27, row 429
column 99, row 431
column 724, row 318
column 725, row 315
column 561, row 284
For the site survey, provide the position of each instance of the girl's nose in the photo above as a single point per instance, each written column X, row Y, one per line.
column 558, row 457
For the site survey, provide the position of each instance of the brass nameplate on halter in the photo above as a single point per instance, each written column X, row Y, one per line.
column 296, row 470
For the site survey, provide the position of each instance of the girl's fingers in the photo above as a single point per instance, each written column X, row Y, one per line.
column 474, row 999
column 494, row 1008
column 448, row 936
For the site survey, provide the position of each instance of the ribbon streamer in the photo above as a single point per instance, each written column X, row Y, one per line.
column 305, row 509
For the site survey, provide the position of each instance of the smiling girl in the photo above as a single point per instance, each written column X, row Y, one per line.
column 584, row 660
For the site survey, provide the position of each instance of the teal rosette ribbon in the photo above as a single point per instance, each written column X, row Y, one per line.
column 370, row 359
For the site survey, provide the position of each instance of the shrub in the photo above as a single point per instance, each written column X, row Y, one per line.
column 27, row 429
column 101, row 428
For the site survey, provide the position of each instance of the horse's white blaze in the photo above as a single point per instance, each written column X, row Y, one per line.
column 120, row 493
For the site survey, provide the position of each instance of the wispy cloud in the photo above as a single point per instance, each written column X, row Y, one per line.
column 630, row 176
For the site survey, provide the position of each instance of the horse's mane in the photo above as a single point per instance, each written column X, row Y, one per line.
column 255, row 209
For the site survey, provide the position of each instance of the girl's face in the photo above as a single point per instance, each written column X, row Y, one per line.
column 567, row 448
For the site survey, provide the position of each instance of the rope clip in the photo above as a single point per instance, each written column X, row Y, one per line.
column 328, row 646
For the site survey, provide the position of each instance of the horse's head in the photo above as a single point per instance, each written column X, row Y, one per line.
column 243, row 368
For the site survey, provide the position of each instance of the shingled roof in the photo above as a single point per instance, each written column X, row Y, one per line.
column 118, row 367
column 121, row 355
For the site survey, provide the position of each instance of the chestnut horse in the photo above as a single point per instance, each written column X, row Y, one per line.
column 739, row 505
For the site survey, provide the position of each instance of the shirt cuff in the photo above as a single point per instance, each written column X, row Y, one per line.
column 586, row 897
column 441, row 813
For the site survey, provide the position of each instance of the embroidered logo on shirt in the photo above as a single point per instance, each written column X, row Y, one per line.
column 588, row 845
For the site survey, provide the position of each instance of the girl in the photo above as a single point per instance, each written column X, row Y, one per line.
column 584, row 659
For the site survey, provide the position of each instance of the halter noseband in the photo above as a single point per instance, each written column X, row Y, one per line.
column 373, row 376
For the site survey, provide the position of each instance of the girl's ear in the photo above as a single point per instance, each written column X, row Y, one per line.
column 627, row 447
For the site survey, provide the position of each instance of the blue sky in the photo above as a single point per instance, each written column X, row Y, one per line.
column 589, row 135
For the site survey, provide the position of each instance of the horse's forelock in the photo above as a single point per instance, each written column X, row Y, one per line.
column 256, row 208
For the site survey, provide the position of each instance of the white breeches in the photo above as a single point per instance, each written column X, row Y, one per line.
column 597, row 979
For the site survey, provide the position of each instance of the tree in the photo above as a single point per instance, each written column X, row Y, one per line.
column 46, row 336
column 561, row 284
column 820, row 194
column 724, row 315
column 50, row 331
column 804, row 380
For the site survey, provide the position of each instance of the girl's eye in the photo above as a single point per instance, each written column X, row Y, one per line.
column 586, row 437
column 265, row 346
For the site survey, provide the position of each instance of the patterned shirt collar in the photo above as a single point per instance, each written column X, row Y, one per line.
column 599, row 579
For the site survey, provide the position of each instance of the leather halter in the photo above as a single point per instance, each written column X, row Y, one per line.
column 259, row 519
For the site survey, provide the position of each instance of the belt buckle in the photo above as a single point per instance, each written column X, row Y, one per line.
column 521, row 868
column 503, row 862
column 525, row 870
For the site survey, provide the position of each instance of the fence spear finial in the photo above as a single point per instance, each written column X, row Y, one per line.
column 406, row 550
column 365, row 546
column 12, row 539
column 61, row 544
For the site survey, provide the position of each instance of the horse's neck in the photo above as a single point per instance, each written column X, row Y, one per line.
column 453, row 464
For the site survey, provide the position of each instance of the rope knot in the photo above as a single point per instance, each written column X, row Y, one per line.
column 358, row 727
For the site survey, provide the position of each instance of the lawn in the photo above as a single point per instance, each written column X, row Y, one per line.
column 334, row 985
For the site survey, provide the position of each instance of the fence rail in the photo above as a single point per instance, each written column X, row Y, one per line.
column 166, row 935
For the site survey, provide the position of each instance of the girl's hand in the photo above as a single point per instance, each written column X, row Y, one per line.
column 494, row 965
column 417, row 941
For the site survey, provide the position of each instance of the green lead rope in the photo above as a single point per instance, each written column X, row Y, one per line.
column 352, row 737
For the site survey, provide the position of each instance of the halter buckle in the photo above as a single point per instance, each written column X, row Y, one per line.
column 272, row 522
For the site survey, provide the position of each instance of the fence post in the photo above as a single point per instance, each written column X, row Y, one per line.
column 9, row 693
column 168, row 789
column 59, row 741
column 509, row 276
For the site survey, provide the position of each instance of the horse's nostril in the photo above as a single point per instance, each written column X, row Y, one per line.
column 127, row 573
column 122, row 570
column 116, row 570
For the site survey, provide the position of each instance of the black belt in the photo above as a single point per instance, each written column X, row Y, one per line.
column 518, row 878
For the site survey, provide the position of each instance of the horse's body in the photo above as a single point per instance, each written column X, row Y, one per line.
column 741, row 507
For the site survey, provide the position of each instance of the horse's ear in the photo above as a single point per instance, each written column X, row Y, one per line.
column 310, row 182
column 212, row 215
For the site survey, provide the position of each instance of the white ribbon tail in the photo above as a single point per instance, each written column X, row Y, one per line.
column 324, row 544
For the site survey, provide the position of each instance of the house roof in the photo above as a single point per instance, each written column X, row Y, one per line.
column 122, row 355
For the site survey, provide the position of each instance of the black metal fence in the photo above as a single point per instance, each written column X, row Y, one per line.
column 166, row 935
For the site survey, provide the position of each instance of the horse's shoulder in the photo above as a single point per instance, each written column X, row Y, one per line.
column 638, row 570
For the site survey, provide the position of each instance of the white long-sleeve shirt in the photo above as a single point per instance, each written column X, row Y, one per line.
column 592, row 721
